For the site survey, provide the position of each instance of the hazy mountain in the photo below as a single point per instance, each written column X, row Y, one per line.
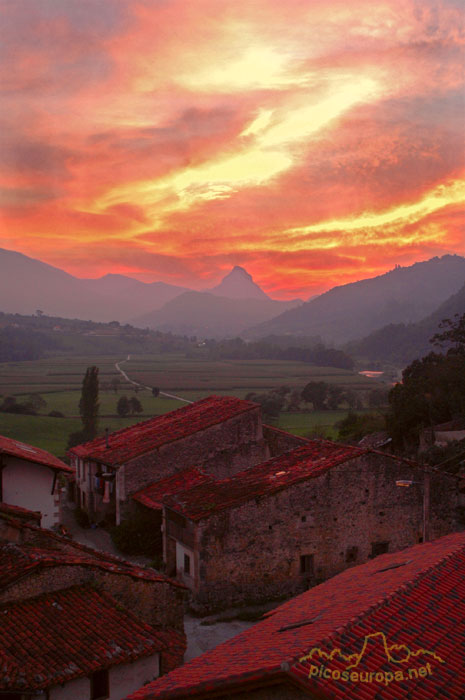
column 134, row 296
column 27, row 284
column 207, row 315
column 238, row 284
column 401, row 343
column 403, row 295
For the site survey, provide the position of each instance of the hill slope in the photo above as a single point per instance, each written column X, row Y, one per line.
column 207, row 315
column 400, row 343
column 403, row 295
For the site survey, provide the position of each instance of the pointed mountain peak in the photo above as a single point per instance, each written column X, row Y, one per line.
column 238, row 284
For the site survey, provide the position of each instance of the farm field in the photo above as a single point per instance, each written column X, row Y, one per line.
column 319, row 422
column 58, row 380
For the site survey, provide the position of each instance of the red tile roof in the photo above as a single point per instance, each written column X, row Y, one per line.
column 66, row 634
column 17, row 561
column 14, row 448
column 303, row 463
column 6, row 509
column 144, row 437
column 415, row 598
column 151, row 496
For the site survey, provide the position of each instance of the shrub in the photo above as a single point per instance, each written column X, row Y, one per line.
column 137, row 536
column 56, row 414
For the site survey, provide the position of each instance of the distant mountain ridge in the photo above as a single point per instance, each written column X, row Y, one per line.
column 27, row 284
column 235, row 306
column 350, row 311
column 238, row 284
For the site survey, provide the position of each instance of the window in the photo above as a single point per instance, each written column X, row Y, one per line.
column 187, row 564
column 351, row 554
column 83, row 499
column 306, row 564
column 99, row 685
column 378, row 548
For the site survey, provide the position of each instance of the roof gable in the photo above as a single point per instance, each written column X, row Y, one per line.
column 144, row 437
column 414, row 596
column 21, row 450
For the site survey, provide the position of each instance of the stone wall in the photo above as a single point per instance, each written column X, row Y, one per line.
column 254, row 552
column 222, row 449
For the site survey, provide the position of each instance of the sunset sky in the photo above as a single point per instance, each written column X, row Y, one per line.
column 314, row 142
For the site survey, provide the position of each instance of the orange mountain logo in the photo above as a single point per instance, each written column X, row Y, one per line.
column 399, row 654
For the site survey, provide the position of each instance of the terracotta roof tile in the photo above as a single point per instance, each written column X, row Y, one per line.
column 6, row 509
column 151, row 496
column 148, row 435
column 15, row 448
column 415, row 597
column 90, row 631
column 307, row 462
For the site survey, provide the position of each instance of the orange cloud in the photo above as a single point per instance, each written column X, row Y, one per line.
column 313, row 143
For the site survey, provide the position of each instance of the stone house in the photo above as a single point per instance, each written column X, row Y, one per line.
column 390, row 628
column 77, row 623
column 284, row 525
column 29, row 479
column 219, row 434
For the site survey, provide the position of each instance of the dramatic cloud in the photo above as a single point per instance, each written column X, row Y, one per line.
column 313, row 143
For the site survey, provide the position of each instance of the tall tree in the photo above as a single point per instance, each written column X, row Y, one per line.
column 89, row 403
column 123, row 406
column 432, row 389
column 316, row 393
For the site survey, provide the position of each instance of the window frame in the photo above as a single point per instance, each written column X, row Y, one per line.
column 93, row 690
column 307, row 564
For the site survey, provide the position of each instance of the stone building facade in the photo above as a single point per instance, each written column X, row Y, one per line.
column 280, row 527
column 221, row 435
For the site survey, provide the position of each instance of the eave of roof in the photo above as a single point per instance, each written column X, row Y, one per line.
column 152, row 495
column 21, row 450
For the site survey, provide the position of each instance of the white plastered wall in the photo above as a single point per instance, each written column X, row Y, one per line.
column 124, row 680
column 29, row 485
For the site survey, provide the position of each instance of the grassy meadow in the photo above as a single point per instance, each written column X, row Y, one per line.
column 58, row 380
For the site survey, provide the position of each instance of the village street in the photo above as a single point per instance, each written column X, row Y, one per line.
column 202, row 633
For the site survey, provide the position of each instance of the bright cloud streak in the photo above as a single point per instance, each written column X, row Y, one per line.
column 267, row 156
column 443, row 196
column 313, row 143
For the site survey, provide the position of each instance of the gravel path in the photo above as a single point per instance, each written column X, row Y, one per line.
column 131, row 381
